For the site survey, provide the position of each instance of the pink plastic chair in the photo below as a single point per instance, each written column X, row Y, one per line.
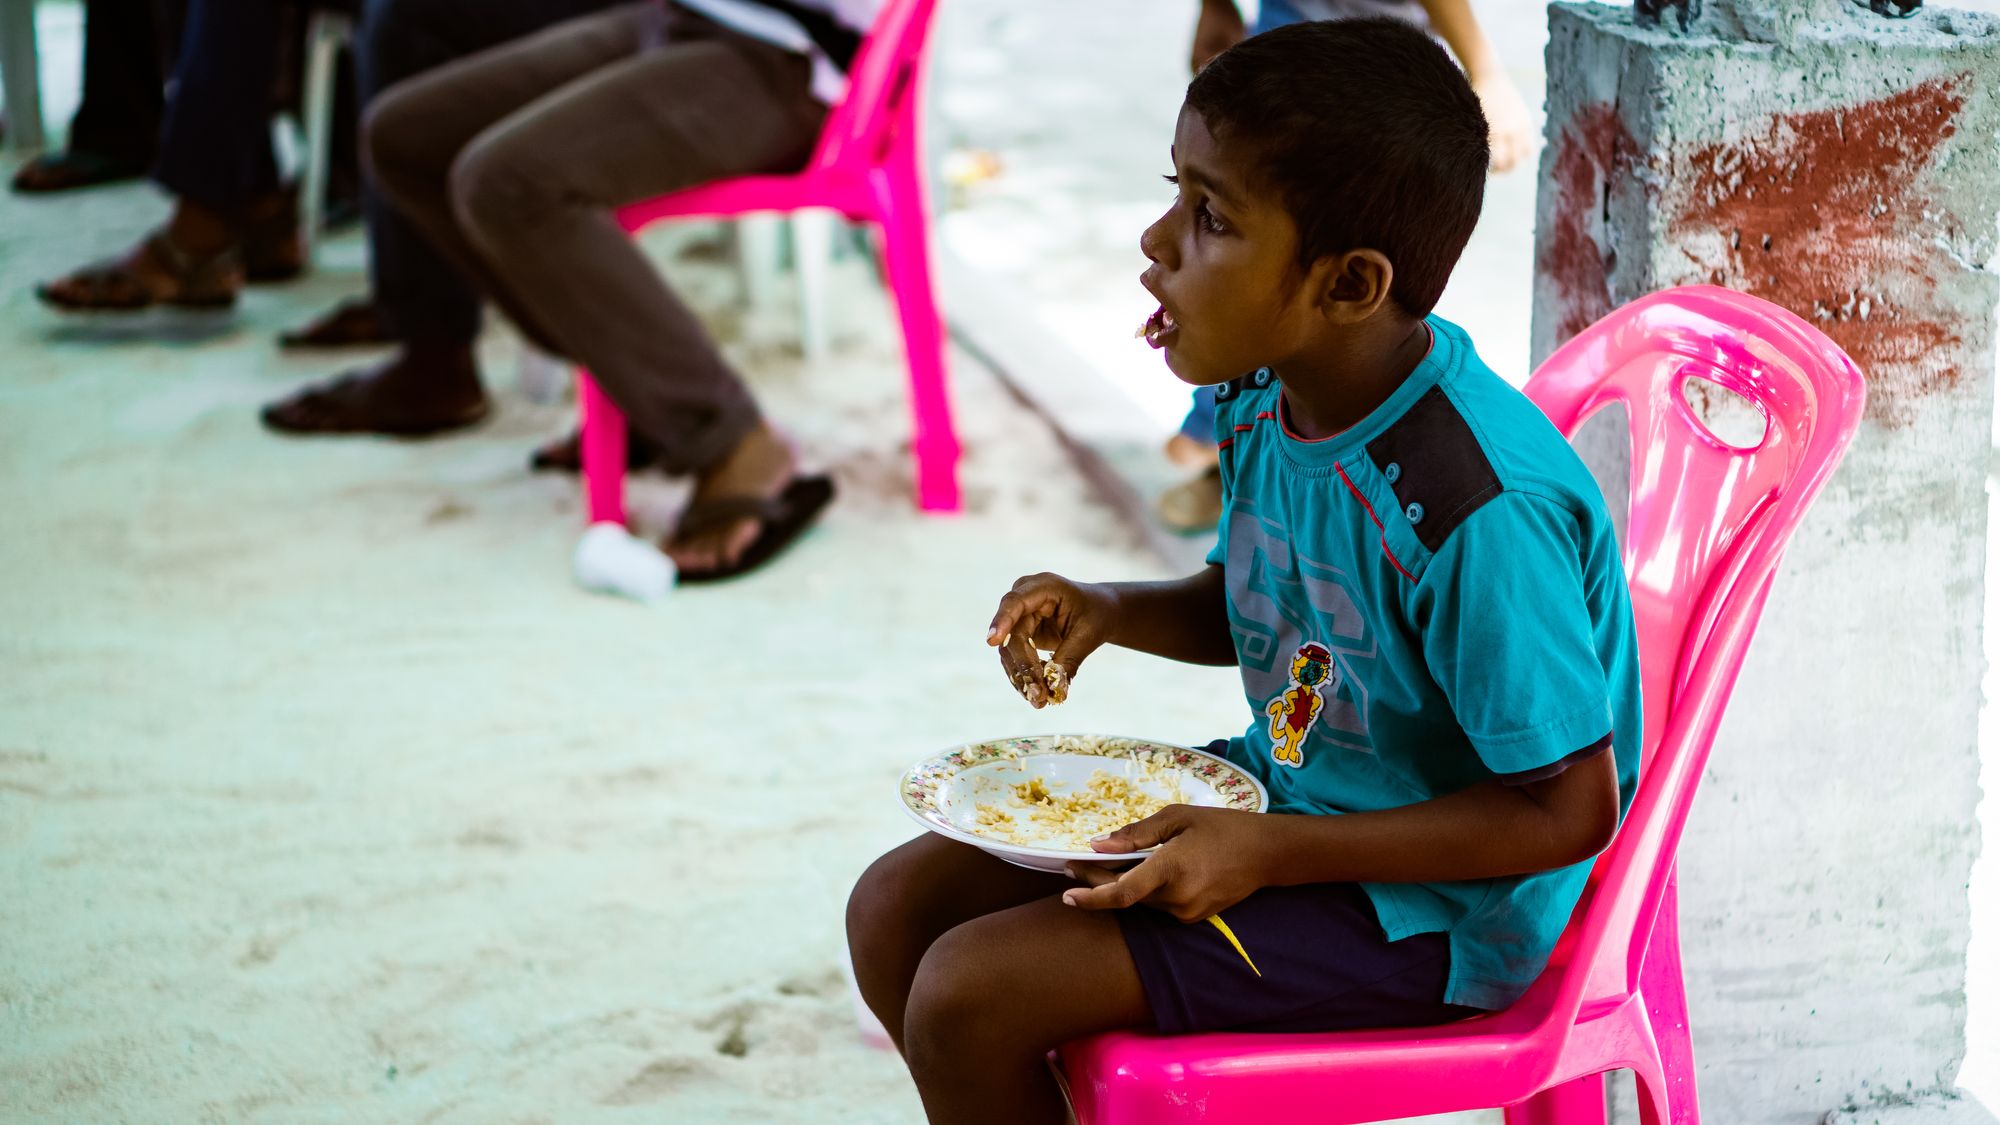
column 1709, row 524
column 867, row 167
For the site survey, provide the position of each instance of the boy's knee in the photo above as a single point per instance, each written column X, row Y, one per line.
column 953, row 990
column 879, row 902
column 864, row 911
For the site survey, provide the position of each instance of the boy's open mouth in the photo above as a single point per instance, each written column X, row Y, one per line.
column 1158, row 328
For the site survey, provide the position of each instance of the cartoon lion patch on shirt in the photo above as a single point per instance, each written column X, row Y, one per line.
column 1294, row 712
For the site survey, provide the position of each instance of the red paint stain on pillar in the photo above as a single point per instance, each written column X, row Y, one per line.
column 1829, row 214
column 1593, row 154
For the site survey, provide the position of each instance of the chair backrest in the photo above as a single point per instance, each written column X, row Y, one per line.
column 883, row 85
column 1709, row 522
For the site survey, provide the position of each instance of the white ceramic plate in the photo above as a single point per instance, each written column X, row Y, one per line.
column 942, row 793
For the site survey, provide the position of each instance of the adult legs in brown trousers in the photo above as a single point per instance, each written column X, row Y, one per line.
column 511, row 162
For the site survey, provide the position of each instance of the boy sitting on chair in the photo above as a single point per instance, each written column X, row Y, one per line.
column 1416, row 575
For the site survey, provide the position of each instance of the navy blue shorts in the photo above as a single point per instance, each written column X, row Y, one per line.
column 1325, row 966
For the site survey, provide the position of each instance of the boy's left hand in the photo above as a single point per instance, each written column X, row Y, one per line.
column 1207, row 860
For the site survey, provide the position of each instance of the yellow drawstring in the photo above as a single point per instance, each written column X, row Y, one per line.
column 1216, row 921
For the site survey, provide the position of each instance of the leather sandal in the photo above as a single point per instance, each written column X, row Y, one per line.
column 194, row 281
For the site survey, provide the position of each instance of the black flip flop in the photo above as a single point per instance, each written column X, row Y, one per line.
column 782, row 518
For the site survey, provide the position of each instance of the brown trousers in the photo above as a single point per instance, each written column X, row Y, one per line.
column 512, row 160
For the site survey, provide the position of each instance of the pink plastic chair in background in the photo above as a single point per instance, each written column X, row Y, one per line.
column 1709, row 524
column 867, row 166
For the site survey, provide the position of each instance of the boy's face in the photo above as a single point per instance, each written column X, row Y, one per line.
column 1224, row 268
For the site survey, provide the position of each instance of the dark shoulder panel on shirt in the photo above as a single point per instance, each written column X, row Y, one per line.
column 1255, row 380
column 1434, row 462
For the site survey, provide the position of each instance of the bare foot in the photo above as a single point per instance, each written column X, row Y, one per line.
column 760, row 466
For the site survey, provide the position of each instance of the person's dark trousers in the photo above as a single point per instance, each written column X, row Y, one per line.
column 515, row 160
column 215, row 149
column 422, row 297
column 124, row 81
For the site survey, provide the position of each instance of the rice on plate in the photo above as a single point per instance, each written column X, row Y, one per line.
column 1037, row 801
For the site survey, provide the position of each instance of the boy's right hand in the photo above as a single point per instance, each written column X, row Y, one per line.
column 1047, row 612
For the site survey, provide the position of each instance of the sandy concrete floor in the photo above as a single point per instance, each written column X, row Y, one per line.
column 325, row 796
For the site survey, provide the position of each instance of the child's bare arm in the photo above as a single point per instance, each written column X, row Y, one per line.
column 1218, row 28
column 1211, row 859
column 1506, row 114
column 1185, row 619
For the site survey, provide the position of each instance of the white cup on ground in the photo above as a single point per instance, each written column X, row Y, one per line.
column 611, row 560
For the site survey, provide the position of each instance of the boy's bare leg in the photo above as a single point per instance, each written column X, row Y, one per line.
column 913, row 896
column 996, row 994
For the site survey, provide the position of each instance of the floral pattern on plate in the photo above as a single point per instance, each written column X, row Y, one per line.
column 921, row 784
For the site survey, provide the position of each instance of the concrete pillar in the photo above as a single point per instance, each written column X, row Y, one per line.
column 1847, row 167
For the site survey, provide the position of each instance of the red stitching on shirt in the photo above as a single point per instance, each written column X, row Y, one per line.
column 1286, row 426
column 1393, row 561
column 1244, row 427
column 1225, row 443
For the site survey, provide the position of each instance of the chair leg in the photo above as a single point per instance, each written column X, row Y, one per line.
column 906, row 256
column 757, row 257
column 329, row 30
column 1655, row 1107
column 812, row 252
column 603, row 452
column 1577, row 1102
column 1664, row 991
column 20, row 74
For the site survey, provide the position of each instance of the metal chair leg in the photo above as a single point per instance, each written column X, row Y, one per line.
column 20, row 74
column 329, row 31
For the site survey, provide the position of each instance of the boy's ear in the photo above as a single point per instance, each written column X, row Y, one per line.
column 1355, row 284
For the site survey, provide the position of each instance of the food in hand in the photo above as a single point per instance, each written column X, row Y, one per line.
column 1057, row 681
column 1052, row 677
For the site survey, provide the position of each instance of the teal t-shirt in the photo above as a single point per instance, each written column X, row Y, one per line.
column 1429, row 600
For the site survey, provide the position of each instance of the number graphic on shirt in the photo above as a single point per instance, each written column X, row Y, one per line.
column 1294, row 712
column 1277, row 600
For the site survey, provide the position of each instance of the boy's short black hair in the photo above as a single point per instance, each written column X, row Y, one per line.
column 1367, row 131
